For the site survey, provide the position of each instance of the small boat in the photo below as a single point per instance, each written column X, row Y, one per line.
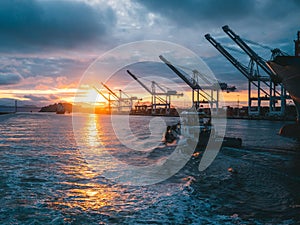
column 197, row 127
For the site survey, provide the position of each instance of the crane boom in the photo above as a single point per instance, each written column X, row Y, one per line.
column 225, row 53
column 153, row 92
column 128, row 97
column 107, row 99
column 113, row 93
column 253, row 55
column 160, row 87
column 192, row 83
column 141, row 83
column 243, row 69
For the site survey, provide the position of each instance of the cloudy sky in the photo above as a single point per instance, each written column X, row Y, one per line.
column 47, row 45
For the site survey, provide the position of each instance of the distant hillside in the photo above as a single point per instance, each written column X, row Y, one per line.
column 25, row 108
column 53, row 107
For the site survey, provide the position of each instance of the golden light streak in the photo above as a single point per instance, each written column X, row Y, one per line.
column 235, row 98
column 39, row 92
column 92, row 131
column 90, row 96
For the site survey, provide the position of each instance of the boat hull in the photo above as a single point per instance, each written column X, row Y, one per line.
column 288, row 69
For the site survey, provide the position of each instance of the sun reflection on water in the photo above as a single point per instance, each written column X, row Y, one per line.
column 92, row 133
column 90, row 196
column 84, row 190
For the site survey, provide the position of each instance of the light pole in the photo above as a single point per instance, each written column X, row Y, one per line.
column 238, row 105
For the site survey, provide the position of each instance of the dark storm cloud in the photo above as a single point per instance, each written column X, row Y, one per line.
column 9, row 78
column 191, row 12
column 52, row 67
column 48, row 67
column 37, row 25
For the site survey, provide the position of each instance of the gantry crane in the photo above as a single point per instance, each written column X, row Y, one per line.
column 253, row 55
column 108, row 99
column 198, row 90
column 274, row 81
column 208, row 84
column 252, row 73
column 157, row 95
column 128, row 100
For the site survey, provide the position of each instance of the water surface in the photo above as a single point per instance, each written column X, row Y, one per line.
column 45, row 179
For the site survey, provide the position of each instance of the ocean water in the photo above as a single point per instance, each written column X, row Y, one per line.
column 47, row 178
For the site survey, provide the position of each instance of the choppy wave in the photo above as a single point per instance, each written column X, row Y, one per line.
column 45, row 179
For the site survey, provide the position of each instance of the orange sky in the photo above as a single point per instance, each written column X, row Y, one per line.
column 87, row 94
column 92, row 97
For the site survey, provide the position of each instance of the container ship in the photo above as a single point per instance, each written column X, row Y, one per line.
column 288, row 69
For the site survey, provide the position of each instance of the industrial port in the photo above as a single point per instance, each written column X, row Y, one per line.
column 267, row 97
column 150, row 112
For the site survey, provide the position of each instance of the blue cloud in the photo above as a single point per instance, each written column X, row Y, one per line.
column 191, row 12
column 9, row 78
column 38, row 25
column 35, row 98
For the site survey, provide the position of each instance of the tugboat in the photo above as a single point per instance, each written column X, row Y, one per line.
column 197, row 126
